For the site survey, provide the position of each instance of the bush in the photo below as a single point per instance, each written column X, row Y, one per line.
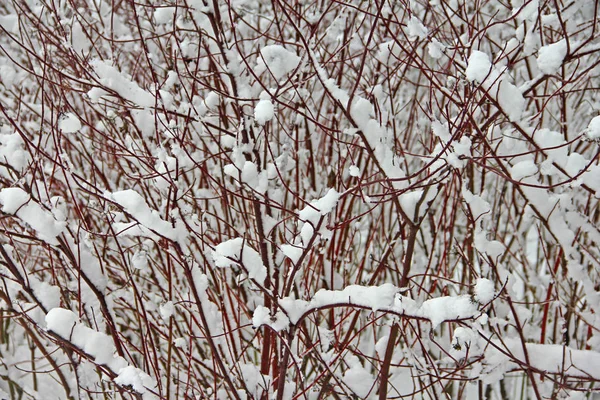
column 252, row 199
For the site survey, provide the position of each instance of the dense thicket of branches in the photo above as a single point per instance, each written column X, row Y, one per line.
column 176, row 176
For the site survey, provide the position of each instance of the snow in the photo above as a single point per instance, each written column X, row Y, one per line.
column 111, row 78
column 278, row 59
column 164, row 15
column 465, row 341
column 321, row 206
column 550, row 358
column 385, row 298
column 13, row 199
column 416, row 28
column 8, row 75
column 293, row 252
column 593, row 129
column 17, row 202
column 435, row 49
column 484, row 290
column 100, row 346
column 551, row 57
column 469, row 131
column 248, row 174
column 479, row 67
column 136, row 379
column 140, row 260
column 61, row 322
column 492, row 248
column 167, row 310
column 262, row 316
column 12, row 152
column 180, row 343
column 69, row 123
column 256, row 382
column 264, row 112
column 359, row 380
column 411, row 200
column 496, row 83
column 135, row 205
column 238, row 252
column 310, row 217
column 477, row 204
column 523, row 169
column 49, row 295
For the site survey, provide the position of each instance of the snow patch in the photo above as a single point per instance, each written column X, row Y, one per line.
column 69, row 123
column 264, row 112
column 551, row 57
column 593, row 129
column 238, row 252
column 278, row 60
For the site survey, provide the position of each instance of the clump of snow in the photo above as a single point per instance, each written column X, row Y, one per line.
column 13, row 153
column 238, row 252
column 456, row 154
column 354, row 170
column 293, row 252
column 440, row 309
column 100, row 346
column 551, row 358
column 384, row 298
column 61, row 321
column 484, row 290
column 48, row 294
column 167, row 310
column 135, row 205
column 553, row 143
column 416, row 28
column 111, row 78
column 492, row 248
column 441, row 131
column 476, row 203
column 479, row 67
column 13, row 199
column 255, row 382
column 65, row 324
column 497, row 84
column 523, row 169
column 262, row 316
column 140, row 260
column 164, row 15
column 322, row 206
column 264, row 111
column 135, row 378
column 180, row 343
column 247, row 172
column 251, row 176
column 69, row 123
column 310, row 217
column 278, row 60
column 435, row 49
column 17, row 202
column 526, row 10
column 551, row 57
column 593, row 129
column 414, row 205
column 465, row 341
column 359, row 380
column 8, row 75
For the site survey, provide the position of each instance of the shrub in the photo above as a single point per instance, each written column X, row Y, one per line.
column 252, row 199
